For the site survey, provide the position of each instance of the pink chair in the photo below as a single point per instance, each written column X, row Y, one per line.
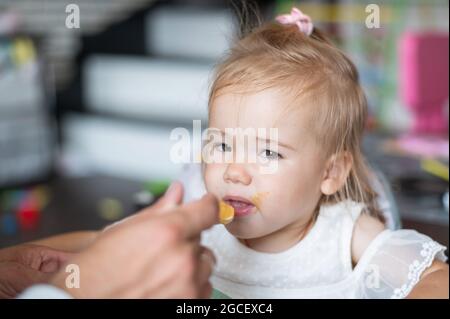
column 423, row 59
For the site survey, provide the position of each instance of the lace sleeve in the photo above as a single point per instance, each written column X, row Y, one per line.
column 393, row 263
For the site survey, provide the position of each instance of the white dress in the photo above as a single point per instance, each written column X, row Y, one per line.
column 320, row 265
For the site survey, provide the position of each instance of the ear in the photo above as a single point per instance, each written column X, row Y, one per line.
column 337, row 170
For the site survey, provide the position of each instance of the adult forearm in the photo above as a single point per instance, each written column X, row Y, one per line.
column 71, row 242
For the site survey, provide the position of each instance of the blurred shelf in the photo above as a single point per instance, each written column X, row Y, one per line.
column 189, row 32
column 147, row 88
column 116, row 147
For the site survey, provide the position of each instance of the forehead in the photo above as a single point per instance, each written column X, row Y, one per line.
column 264, row 109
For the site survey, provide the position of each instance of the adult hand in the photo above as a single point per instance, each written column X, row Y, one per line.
column 25, row 265
column 153, row 254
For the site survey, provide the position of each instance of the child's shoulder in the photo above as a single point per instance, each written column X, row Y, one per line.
column 395, row 260
column 366, row 229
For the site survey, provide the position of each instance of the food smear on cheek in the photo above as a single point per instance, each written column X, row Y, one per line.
column 258, row 198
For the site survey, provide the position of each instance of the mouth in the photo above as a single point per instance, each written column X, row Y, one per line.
column 242, row 206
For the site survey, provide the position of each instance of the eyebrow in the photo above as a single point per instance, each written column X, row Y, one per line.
column 279, row 143
column 269, row 142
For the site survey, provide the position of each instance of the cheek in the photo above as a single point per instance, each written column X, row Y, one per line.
column 212, row 177
column 294, row 188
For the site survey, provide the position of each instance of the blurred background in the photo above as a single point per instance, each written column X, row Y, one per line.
column 86, row 109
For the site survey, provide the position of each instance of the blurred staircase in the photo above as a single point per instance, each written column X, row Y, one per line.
column 46, row 20
column 121, row 117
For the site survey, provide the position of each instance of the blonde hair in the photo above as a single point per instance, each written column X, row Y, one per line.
column 307, row 67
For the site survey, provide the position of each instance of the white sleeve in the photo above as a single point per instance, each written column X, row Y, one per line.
column 393, row 263
column 192, row 180
column 42, row 291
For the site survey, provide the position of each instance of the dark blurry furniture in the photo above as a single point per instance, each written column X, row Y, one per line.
column 74, row 205
column 418, row 195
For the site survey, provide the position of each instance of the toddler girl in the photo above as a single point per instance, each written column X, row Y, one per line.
column 310, row 226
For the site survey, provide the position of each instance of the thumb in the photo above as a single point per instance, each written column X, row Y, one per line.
column 54, row 260
column 171, row 198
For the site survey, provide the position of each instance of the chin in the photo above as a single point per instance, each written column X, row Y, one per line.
column 242, row 233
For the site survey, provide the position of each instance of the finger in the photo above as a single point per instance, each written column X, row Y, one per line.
column 171, row 198
column 17, row 253
column 196, row 216
column 177, row 279
column 8, row 253
column 196, row 240
column 53, row 260
column 16, row 277
column 206, row 291
column 207, row 261
column 24, row 275
column 190, row 220
column 35, row 276
column 42, row 258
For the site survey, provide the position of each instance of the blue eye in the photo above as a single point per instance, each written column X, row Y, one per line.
column 271, row 154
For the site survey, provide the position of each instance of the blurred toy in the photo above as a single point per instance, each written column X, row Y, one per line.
column 423, row 59
column 143, row 199
column 417, row 146
column 22, row 209
column 28, row 214
column 435, row 168
column 157, row 187
column 23, row 51
column 41, row 195
column 8, row 224
column 110, row 209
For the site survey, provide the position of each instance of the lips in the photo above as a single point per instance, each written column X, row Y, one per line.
column 241, row 205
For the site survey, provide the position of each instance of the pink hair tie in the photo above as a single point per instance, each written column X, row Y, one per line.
column 303, row 22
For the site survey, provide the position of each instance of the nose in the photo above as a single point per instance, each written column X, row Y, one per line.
column 236, row 173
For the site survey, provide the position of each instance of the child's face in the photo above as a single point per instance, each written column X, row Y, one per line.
column 279, row 200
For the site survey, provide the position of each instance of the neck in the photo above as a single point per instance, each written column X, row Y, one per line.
column 281, row 239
